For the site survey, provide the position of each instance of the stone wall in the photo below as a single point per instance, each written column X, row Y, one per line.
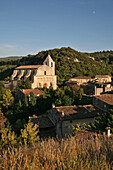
column 67, row 126
column 100, row 104
column 98, row 91
column 41, row 81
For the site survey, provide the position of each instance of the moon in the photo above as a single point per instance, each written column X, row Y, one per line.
column 94, row 12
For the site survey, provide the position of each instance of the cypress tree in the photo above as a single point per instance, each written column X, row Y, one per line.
column 32, row 99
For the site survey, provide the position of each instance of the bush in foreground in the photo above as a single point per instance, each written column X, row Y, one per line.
column 73, row 153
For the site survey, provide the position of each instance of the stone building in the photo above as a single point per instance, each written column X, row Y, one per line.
column 78, row 80
column 46, row 127
column 103, row 102
column 97, row 88
column 65, row 117
column 39, row 75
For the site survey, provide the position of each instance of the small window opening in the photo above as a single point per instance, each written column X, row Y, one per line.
column 51, row 64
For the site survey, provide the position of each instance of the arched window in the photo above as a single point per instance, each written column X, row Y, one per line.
column 44, row 72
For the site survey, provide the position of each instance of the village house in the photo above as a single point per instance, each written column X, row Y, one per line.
column 96, row 88
column 103, row 102
column 78, row 80
column 22, row 92
column 63, row 118
column 103, row 78
column 39, row 75
column 93, row 86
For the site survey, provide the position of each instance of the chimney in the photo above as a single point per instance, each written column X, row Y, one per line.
column 53, row 105
column 107, row 131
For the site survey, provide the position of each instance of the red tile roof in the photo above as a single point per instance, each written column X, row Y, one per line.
column 28, row 67
column 107, row 98
column 35, row 91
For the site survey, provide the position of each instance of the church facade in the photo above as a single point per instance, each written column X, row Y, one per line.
column 39, row 75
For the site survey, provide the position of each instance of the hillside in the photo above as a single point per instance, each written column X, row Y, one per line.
column 6, row 67
column 71, row 63
column 10, row 58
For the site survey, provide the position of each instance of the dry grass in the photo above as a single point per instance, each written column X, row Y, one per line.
column 72, row 153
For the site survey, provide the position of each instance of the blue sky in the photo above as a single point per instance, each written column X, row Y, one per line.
column 30, row 26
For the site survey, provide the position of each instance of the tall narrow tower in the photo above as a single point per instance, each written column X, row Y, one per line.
column 49, row 62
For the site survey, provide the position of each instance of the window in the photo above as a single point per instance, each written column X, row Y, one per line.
column 104, row 105
column 51, row 64
column 44, row 72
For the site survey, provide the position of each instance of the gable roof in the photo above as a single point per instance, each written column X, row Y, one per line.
column 35, row 91
column 28, row 67
column 48, row 58
column 107, row 98
column 78, row 112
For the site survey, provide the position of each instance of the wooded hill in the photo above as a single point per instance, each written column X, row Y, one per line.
column 69, row 63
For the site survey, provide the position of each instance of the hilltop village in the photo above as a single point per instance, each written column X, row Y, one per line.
column 56, row 110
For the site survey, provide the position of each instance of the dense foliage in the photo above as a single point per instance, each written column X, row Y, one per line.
column 69, row 63
column 104, row 120
column 6, row 67
column 67, row 66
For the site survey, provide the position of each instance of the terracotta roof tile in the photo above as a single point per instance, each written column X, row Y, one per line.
column 35, row 91
column 107, row 98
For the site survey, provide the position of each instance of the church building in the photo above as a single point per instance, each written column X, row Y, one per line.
column 39, row 75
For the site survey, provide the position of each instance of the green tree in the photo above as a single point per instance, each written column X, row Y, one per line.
column 24, row 84
column 2, row 120
column 7, row 98
column 32, row 99
column 8, row 136
column 30, row 133
column 26, row 100
column 104, row 120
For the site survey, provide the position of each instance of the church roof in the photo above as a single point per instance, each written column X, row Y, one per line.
column 28, row 67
